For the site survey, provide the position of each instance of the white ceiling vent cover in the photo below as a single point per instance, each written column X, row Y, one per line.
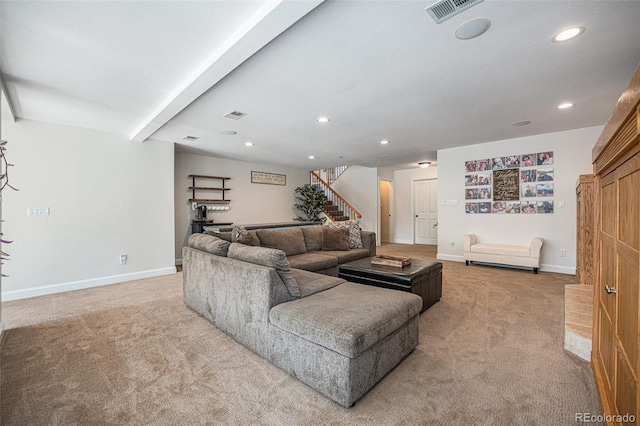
column 445, row 9
column 235, row 115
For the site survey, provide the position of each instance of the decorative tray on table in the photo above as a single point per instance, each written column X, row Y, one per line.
column 396, row 261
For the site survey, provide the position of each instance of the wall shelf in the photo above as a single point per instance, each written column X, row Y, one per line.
column 222, row 189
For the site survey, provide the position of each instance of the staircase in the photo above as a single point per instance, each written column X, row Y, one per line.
column 336, row 208
column 333, row 212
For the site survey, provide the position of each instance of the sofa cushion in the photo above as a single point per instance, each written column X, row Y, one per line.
column 314, row 261
column 355, row 238
column 347, row 319
column 312, row 238
column 291, row 241
column 250, row 239
column 501, row 249
column 209, row 243
column 335, row 239
column 347, row 256
column 311, row 283
column 271, row 258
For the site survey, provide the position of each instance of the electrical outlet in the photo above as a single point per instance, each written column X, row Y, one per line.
column 563, row 252
column 37, row 211
column 123, row 259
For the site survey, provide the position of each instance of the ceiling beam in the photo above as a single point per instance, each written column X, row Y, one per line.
column 265, row 25
column 3, row 88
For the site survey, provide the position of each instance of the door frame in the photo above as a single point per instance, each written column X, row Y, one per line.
column 391, row 212
column 413, row 207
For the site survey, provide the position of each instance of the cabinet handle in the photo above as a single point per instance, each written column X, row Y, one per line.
column 610, row 290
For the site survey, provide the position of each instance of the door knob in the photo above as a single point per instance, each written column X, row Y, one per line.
column 610, row 290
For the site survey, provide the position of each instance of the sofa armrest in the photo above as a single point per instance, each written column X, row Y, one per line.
column 369, row 241
column 535, row 247
column 469, row 240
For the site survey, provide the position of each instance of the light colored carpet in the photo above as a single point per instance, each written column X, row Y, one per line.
column 490, row 353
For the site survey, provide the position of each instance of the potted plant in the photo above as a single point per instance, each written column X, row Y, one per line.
column 309, row 198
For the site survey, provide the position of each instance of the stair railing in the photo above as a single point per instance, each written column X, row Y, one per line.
column 336, row 199
column 330, row 175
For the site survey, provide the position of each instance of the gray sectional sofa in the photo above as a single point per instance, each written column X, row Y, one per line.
column 340, row 338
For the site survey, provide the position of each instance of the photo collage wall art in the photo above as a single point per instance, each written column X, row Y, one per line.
column 515, row 184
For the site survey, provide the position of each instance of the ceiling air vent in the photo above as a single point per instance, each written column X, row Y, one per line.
column 235, row 115
column 445, row 9
column 190, row 138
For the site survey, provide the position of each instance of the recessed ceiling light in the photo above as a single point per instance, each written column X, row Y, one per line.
column 567, row 34
column 248, row 143
column 424, row 164
column 565, row 105
column 521, row 123
column 229, row 132
column 384, row 142
column 323, row 120
column 472, row 29
column 311, row 157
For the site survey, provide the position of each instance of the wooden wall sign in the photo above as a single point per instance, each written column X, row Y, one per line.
column 506, row 185
column 268, row 178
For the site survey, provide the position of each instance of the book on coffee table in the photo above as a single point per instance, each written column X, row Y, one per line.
column 396, row 261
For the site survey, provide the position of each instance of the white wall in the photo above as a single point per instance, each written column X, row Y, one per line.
column 572, row 157
column 106, row 195
column 251, row 203
column 402, row 214
column 359, row 186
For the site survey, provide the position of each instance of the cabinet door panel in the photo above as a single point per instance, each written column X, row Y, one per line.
column 609, row 203
column 629, row 211
column 626, row 391
column 606, row 349
column 627, row 321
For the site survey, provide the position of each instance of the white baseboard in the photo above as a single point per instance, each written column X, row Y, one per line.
column 544, row 268
column 559, row 269
column 450, row 257
column 82, row 284
column 397, row 241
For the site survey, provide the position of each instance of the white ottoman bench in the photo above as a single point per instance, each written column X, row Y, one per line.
column 504, row 254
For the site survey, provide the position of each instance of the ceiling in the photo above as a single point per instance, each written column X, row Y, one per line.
column 162, row 70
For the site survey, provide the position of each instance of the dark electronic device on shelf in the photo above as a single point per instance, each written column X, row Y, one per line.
column 202, row 212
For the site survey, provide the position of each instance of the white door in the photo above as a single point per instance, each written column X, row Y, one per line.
column 425, row 211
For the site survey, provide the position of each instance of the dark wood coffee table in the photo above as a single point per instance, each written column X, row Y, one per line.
column 422, row 277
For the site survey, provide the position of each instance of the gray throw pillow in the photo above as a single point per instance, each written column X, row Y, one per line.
column 271, row 258
column 313, row 238
column 355, row 237
column 209, row 243
column 291, row 241
column 250, row 239
column 237, row 232
column 335, row 239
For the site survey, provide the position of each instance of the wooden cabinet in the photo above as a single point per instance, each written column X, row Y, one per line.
column 585, row 229
column 615, row 358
